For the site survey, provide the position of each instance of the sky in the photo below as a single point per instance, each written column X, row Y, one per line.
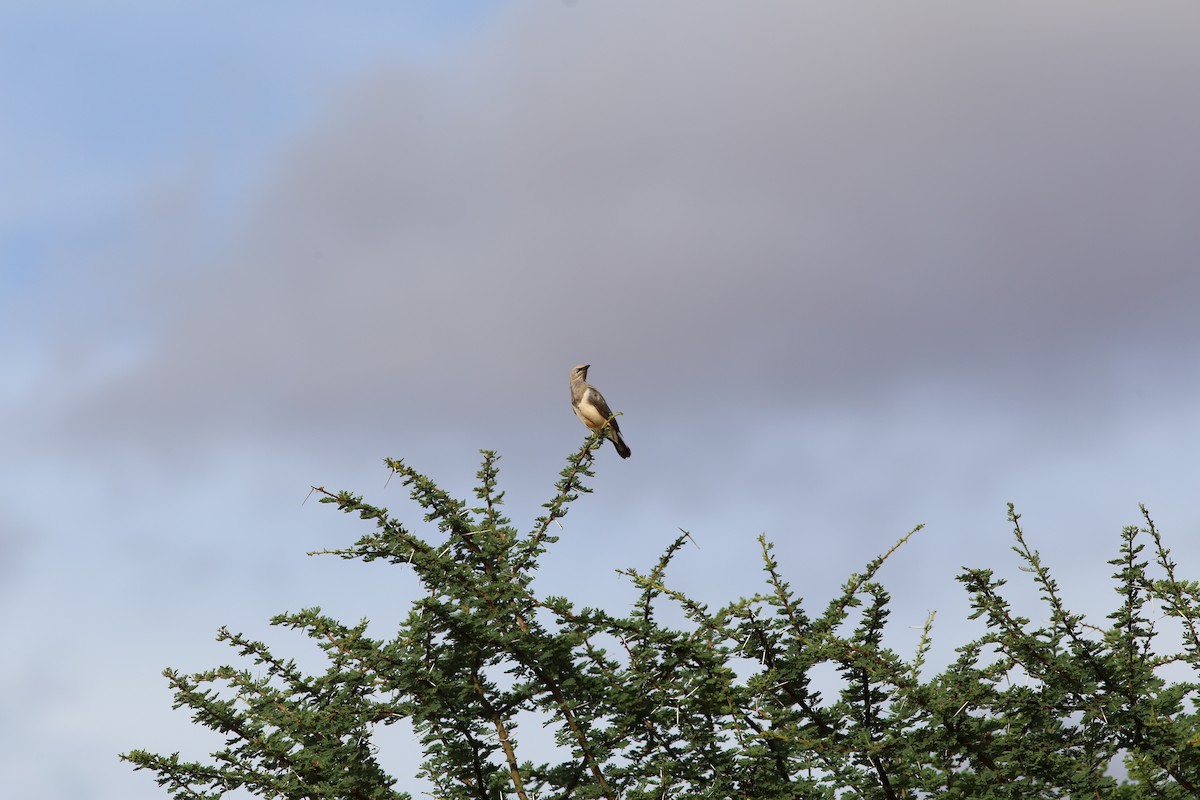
column 843, row 268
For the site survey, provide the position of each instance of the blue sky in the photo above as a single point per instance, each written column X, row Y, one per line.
column 106, row 98
column 843, row 269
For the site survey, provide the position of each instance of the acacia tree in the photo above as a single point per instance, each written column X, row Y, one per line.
column 723, row 705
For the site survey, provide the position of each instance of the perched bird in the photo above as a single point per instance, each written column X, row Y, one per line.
column 592, row 411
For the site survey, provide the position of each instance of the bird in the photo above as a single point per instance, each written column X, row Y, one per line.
column 589, row 405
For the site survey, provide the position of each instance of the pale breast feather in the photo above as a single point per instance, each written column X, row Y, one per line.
column 592, row 409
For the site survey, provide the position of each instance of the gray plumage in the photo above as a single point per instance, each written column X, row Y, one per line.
column 589, row 405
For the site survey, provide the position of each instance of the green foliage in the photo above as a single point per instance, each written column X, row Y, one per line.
column 723, row 706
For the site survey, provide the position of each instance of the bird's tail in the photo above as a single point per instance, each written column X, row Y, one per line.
column 622, row 449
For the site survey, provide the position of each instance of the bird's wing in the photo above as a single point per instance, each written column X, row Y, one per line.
column 596, row 400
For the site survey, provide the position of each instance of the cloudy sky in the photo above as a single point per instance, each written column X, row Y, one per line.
column 845, row 268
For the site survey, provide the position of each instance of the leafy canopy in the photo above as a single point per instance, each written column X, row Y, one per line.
column 722, row 706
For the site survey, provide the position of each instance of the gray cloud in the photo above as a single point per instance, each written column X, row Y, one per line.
column 739, row 202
